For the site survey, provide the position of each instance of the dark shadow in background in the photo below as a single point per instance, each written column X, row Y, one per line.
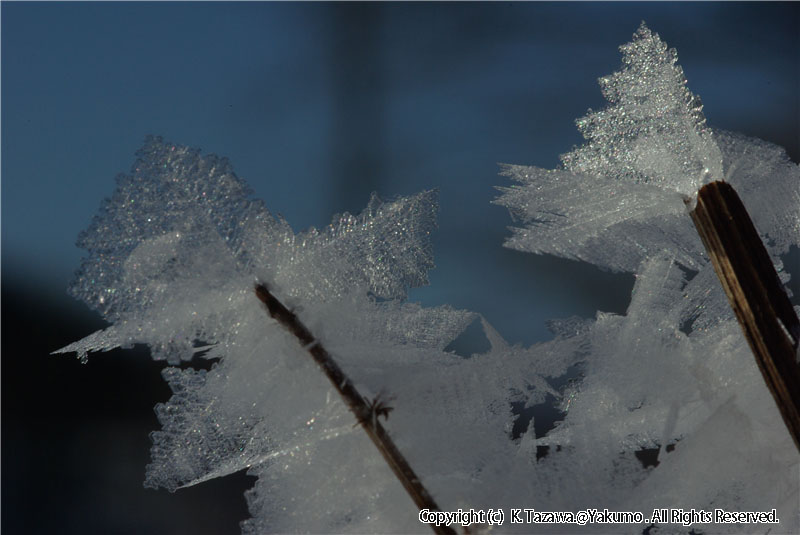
column 358, row 129
column 76, row 436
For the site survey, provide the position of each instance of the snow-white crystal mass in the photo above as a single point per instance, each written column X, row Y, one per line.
column 175, row 252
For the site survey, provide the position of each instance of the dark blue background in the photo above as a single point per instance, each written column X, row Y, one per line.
column 316, row 105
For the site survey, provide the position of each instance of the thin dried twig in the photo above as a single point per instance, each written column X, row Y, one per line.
column 755, row 293
column 366, row 411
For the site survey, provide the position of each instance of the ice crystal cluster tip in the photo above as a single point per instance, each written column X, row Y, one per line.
column 653, row 131
column 620, row 198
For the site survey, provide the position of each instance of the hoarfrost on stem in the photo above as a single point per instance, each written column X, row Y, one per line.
column 674, row 375
column 173, row 256
column 174, row 253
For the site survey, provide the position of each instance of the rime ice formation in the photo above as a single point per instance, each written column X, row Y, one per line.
column 674, row 375
column 173, row 256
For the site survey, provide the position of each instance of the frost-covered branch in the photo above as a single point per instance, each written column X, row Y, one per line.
column 173, row 256
column 674, row 376
column 367, row 413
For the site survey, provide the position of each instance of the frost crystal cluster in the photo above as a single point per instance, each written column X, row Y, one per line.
column 674, row 375
column 174, row 254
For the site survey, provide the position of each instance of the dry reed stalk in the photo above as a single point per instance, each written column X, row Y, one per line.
column 366, row 411
column 755, row 293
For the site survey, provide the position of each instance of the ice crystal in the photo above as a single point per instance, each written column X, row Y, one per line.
column 181, row 232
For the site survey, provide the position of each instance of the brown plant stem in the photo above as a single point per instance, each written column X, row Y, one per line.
column 363, row 410
column 755, row 293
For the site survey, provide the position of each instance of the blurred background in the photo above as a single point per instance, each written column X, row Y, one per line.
column 316, row 105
